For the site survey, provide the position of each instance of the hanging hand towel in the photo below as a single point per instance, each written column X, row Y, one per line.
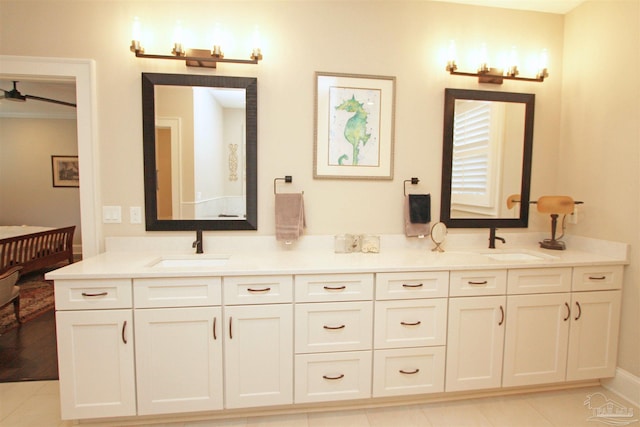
column 417, row 215
column 290, row 220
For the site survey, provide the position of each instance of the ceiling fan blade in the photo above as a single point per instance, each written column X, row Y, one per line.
column 54, row 101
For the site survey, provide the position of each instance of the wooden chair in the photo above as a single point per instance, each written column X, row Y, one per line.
column 9, row 291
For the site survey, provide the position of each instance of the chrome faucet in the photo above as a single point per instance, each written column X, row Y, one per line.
column 493, row 238
column 197, row 244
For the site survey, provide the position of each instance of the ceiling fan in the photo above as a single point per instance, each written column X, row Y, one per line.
column 15, row 95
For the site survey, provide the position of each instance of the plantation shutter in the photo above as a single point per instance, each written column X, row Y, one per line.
column 477, row 142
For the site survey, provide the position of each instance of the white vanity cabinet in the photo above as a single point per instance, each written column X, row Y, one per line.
column 178, row 329
column 595, row 322
column 410, row 333
column 258, row 334
column 553, row 337
column 94, row 326
column 333, row 337
column 160, row 343
column 477, row 317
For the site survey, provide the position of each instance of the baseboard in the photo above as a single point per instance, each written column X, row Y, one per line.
column 625, row 384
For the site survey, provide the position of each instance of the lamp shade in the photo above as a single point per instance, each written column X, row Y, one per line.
column 555, row 205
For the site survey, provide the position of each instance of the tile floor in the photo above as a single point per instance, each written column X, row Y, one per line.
column 36, row 404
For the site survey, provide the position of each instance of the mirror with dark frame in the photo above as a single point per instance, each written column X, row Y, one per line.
column 200, row 152
column 486, row 159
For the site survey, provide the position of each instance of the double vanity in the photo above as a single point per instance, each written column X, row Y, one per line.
column 151, row 333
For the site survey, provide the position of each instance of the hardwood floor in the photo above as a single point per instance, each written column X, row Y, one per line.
column 29, row 352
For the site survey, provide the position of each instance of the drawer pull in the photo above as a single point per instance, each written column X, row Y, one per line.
column 415, row 371
column 335, row 288
column 597, row 277
column 472, row 283
column 410, row 285
column 214, row 328
column 568, row 311
column 411, row 323
column 124, row 329
column 579, row 311
column 501, row 316
column 99, row 294
column 230, row 328
column 258, row 290
column 337, row 377
column 334, row 327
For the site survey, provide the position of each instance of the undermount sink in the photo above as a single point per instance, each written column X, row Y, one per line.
column 190, row 261
column 517, row 256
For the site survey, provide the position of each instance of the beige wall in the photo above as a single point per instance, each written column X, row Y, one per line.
column 405, row 39
column 26, row 187
column 600, row 144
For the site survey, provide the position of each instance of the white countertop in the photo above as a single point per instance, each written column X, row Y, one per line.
column 133, row 257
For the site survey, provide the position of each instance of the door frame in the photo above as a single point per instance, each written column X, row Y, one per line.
column 83, row 71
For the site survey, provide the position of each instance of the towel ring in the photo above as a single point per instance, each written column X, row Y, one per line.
column 287, row 179
column 413, row 181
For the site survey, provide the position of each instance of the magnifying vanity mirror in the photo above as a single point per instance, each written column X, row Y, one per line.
column 486, row 160
column 200, row 152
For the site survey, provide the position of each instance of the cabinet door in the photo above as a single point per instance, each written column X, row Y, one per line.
column 258, row 355
column 475, row 342
column 593, row 337
column 536, row 339
column 95, row 363
column 178, row 359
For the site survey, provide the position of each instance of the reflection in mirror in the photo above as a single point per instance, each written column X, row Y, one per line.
column 200, row 152
column 486, row 158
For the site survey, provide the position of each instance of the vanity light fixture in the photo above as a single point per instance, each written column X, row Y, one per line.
column 488, row 74
column 192, row 57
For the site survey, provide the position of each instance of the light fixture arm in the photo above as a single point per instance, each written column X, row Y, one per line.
column 197, row 58
column 494, row 75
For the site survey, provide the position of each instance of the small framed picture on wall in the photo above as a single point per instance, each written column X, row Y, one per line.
column 65, row 172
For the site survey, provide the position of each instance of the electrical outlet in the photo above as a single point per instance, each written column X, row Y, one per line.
column 573, row 218
column 135, row 215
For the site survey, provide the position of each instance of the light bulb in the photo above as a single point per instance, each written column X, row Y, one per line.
column 177, row 40
column 217, row 42
column 544, row 63
column 451, row 60
column 513, row 62
column 257, row 41
column 484, row 62
column 136, row 35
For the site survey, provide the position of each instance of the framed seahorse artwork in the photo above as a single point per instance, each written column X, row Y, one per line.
column 354, row 126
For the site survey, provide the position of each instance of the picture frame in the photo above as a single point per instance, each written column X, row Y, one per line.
column 354, row 126
column 65, row 171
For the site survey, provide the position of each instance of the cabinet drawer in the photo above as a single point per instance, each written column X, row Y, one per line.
column 340, row 326
column 539, row 280
column 410, row 323
column 334, row 287
column 408, row 371
column 177, row 292
column 482, row 282
column 421, row 284
column 93, row 294
column 258, row 289
column 332, row 376
column 600, row 278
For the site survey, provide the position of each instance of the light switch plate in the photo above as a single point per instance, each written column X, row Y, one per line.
column 111, row 214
